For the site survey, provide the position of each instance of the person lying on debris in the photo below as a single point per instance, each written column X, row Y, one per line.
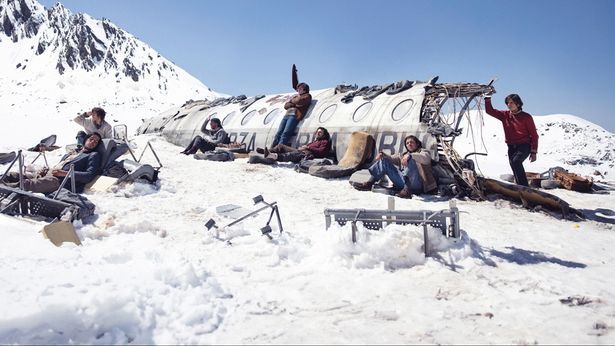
column 86, row 166
column 212, row 138
column 519, row 132
column 317, row 149
column 93, row 121
column 410, row 172
column 296, row 108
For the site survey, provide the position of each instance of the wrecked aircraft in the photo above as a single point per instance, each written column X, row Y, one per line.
column 429, row 110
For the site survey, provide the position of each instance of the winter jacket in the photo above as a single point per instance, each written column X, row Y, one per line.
column 104, row 130
column 320, row 148
column 299, row 103
column 218, row 136
column 518, row 128
column 86, row 165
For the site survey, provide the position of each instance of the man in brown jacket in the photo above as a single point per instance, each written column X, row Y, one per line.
column 296, row 108
column 410, row 172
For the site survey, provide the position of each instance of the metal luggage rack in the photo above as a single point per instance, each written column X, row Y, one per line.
column 17, row 201
column 446, row 220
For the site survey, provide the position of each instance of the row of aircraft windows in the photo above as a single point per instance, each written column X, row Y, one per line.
column 399, row 113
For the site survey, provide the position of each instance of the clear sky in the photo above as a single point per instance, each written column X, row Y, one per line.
column 559, row 55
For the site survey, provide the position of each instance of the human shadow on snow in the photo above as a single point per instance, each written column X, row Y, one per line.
column 600, row 215
column 523, row 257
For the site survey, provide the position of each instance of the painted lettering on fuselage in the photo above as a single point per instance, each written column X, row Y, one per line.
column 249, row 138
column 389, row 142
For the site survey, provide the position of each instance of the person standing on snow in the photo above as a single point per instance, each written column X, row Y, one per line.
column 519, row 132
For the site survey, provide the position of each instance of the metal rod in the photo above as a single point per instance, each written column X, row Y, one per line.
column 461, row 113
column 71, row 171
column 277, row 214
column 247, row 216
column 130, row 150
column 21, row 168
column 11, row 165
column 9, row 205
column 64, row 181
column 154, row 152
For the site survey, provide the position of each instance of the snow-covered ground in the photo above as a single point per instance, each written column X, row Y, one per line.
column 149, row 272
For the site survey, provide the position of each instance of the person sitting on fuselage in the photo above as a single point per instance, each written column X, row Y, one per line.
column 212, row 138
column 86, row 166
column 318, row 148
column 410, row 171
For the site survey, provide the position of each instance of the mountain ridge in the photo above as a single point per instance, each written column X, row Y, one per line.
column 74, row 58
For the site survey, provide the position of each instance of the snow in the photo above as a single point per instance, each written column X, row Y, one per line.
column 149, row 272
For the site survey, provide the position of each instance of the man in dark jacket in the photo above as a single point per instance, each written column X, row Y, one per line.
column 212, row 138
column 317, row 149
column 86, row 166
column 296, row 109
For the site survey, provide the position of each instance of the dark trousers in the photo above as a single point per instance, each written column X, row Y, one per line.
column 294, row 157
column 199, row 143
column 81, row 138
column 517, row 153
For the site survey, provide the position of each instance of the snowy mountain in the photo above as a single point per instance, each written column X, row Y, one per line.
column 58, row 62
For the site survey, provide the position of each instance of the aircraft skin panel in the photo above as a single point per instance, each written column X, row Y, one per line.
column 389, row 118
column 341, row 119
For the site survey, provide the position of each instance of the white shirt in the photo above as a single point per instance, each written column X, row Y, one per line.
column 104, row 130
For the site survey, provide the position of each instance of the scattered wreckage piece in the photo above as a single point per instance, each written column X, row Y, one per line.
column 61, row 208
column 446, row 220
column 530, row 198
column 115, row 172
column 239, row 214
column 559, row 177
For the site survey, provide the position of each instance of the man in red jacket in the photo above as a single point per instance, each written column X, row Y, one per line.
column 520, row 133
column 317, row 149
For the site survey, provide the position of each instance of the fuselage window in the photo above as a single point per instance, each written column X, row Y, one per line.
column 402, row 110
column 272, row 115
column 362, row 111
column 204, row 127
column 228, row 118
column 327, row 113
column 247, row 117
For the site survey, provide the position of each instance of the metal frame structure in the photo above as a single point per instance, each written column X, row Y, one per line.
column 446, row 220
column 264, row 230
column 15, row 201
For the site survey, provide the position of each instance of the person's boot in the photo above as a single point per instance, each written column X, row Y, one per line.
column 404, row 193
column 269, row 155
column 365, row 186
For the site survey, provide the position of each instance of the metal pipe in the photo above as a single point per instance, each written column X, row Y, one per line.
column 21, row 168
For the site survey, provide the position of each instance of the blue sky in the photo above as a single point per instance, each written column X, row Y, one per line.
column 558, row 55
